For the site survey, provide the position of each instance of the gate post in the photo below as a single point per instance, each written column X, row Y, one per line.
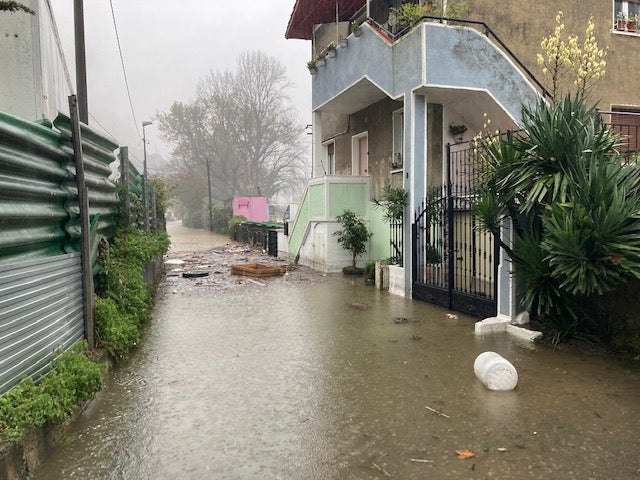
column 450, row 228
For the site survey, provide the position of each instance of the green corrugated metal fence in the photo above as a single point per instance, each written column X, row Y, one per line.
column 38, row 195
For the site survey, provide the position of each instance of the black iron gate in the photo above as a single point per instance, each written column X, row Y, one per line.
column 455, row 262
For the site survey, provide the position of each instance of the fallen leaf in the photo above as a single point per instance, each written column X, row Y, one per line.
column 464, row 454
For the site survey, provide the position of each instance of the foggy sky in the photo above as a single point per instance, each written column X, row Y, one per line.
column 168, row 46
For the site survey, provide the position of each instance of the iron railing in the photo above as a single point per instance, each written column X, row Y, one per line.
column 396, row 243
column 627, row 125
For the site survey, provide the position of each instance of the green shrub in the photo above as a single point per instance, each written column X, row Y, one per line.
column 220, row 216
column 124, row 299
column 73, row 378
column 234, row 222
column 116, row 331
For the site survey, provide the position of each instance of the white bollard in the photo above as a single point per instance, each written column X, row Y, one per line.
column 495, row 372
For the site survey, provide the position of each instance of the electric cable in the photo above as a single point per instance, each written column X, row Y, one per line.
column 124, row 71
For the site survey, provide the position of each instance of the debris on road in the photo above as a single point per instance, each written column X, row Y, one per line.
column 437, row 411
column 401, row 320
column 464, row 454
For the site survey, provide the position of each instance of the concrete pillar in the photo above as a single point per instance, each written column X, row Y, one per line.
column 317, row 150
column 507, row 305
column 415, row 144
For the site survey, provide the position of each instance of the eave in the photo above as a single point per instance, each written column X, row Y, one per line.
column 307, row 13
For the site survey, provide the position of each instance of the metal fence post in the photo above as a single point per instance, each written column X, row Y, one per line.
column 83, row 203
column 124, row 180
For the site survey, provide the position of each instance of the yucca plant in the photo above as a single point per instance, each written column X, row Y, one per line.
column 574, row 207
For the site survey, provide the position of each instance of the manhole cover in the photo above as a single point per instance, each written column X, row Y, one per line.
column 195, row 274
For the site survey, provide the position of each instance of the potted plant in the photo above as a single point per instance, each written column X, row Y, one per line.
column 343, row 42
column 353, row 237
column 356, row 28
column 331, row 50
column 632, row 22
column 312, row 65
column 621, row 19
column 457, row 132
column 320, row 59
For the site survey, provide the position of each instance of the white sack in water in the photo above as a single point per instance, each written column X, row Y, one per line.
column 495, row 371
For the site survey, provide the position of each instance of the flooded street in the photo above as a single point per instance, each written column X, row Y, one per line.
column 286, row 379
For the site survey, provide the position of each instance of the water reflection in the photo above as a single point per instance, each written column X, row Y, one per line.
column 290, row 381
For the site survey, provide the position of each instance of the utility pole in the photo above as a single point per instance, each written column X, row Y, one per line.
column 145, row 205
column 81, row 61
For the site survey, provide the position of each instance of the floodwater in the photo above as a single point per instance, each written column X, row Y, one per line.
column 290, row 381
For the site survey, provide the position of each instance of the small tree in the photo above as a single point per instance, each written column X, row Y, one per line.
column 354, row 234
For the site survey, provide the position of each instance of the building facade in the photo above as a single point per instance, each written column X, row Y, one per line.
column 397, row 104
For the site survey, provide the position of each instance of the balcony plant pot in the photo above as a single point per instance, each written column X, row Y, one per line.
column 343, row 43
column 331, row 53
column 457, row 132
column 321, row 62
column 356, row 29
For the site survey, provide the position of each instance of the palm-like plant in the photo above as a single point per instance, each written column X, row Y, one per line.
column 574, row 207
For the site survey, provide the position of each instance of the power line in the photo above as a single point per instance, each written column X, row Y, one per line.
column 104, row 129
column 124, row 72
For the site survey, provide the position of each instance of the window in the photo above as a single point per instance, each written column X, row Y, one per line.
column 398, row 139
column 625, row 16
column 331, row 158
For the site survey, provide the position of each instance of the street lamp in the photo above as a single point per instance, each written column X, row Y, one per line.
column 144, row 175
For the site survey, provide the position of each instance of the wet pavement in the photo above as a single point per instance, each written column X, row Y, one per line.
column 315, row 376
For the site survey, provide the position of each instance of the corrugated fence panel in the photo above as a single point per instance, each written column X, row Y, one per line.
column 40, row 310
column 32, row 198
column 98, row 154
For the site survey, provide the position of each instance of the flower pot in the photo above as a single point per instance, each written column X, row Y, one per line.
column 343, row 43
column 320, row 62
column 357, row 32
column 631, row 26
column 313, row 71
column 458, row 138
column 331, row 53
column 621, row 25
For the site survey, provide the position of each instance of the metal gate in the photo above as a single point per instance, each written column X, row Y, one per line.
column 455, row 262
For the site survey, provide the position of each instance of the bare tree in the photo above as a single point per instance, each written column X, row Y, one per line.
column 240, row 132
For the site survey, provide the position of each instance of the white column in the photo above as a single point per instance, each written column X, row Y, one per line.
column 317, row 150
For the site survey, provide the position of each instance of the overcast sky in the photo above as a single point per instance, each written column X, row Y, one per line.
column 168, row 46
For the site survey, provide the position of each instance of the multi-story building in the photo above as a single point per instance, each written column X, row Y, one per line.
column 386, row 106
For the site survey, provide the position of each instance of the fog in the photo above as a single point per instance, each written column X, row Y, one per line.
column 167, row 47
